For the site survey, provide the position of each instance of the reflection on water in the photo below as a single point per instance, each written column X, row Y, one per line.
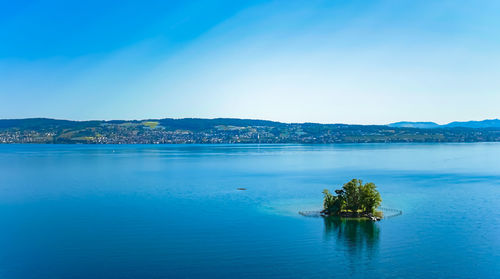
column 173, row 211
column 357, row 237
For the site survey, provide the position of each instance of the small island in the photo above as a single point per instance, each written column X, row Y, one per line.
column 354, row 200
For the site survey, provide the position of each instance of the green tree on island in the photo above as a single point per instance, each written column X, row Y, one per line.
column 354, row 199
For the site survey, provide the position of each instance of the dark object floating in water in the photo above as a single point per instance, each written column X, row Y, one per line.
column 241, row 189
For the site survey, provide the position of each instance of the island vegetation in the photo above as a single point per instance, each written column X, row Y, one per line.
column 353, row 200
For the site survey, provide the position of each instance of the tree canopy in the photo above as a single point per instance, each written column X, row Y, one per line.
column 354, row 197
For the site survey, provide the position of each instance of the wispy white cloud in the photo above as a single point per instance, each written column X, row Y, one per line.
column 289, row 61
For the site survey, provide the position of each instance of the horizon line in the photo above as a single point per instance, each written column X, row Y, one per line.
column 251, row 119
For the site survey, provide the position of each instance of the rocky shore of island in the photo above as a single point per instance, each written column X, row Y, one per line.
column 377, row 216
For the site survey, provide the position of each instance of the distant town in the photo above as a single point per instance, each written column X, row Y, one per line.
column 228, row 130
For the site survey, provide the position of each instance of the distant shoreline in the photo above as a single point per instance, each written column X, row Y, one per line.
column 228, row 131
column 241, row 144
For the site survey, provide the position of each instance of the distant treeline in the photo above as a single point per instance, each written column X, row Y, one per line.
column 226, row 130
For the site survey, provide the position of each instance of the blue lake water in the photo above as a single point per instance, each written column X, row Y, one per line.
column 174, row 211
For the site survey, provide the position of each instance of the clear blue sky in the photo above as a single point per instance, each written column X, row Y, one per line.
column 367, row 62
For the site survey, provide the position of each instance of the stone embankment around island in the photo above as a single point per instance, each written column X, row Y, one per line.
column 387, row 213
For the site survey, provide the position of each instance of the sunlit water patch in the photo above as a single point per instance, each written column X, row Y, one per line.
column 175, row 211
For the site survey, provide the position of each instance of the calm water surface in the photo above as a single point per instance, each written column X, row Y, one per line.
column 148, row 211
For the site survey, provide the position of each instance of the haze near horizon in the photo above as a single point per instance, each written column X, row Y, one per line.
column 358, row 62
